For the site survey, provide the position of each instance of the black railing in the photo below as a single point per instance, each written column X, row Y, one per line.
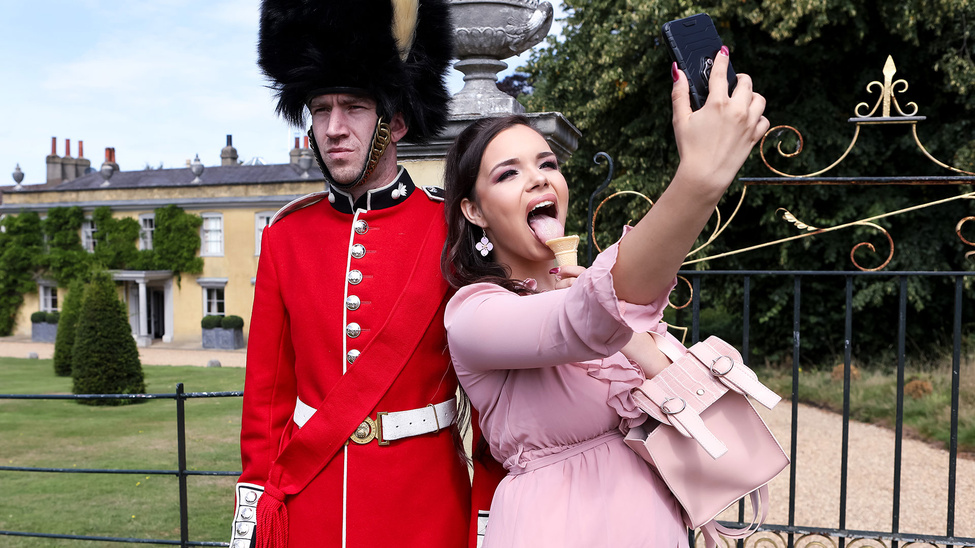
column 788, row 534
column 181, row 471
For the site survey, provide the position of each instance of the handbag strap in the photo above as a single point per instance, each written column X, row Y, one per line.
column 760, row 503
column 667, row 346
column 726, row 366
column 680, row 415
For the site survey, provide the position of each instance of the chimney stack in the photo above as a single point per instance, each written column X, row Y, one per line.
column 54, row 174
column 69, row 168
column 228, row 155
column 83, row 164
column 295, row 152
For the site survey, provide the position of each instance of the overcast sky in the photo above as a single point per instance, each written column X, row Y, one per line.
column 159, row 80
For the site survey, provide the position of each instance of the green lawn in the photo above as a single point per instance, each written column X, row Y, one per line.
column 873, row 398
column 65, row 434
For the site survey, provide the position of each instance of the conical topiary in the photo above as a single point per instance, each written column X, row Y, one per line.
column 67, row 325
column 105, row 359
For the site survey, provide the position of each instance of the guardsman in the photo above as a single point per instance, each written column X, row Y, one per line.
column 348, row 434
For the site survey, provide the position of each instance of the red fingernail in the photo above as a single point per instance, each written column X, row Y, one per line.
column 554, row 270
column 673, row 72
column 724, row 51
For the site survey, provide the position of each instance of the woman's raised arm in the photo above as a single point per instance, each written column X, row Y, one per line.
column 713, row 143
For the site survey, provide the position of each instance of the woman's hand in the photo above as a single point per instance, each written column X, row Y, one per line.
column 565, row 276
column 714, row 142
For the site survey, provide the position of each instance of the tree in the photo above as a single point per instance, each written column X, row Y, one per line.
column 176, row 241
column 66, row 260
column 67, row 328
column 105, row 359
column 114, row 239
column 812, row 61
column 21, row 244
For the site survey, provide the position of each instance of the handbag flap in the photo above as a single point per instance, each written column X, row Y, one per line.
column 705, row 486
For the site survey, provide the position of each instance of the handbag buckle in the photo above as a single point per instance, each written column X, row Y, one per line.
column 716, row 373
column 667, row 411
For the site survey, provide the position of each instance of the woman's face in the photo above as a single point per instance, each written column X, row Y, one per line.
column 519, row 179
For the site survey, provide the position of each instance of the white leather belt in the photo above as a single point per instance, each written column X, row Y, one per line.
column 395, row 425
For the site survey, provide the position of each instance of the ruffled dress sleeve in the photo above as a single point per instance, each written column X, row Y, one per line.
column 490, row 328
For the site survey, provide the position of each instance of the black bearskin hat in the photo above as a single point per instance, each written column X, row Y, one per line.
column 311, row 47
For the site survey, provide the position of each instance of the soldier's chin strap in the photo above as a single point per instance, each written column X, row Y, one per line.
column 381, row 138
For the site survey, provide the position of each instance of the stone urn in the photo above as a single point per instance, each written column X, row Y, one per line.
column 485, row 32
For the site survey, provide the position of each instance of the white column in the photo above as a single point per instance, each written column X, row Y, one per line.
column 143, row 316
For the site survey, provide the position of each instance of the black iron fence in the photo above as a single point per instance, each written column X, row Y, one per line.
column 789, row 534
column 181, row 472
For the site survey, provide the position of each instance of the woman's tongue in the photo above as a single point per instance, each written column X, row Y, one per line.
column 546, row 228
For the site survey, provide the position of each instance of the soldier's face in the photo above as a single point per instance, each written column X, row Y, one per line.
column 343, row 126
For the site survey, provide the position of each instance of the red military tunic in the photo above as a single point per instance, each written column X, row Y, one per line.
column 328, row 279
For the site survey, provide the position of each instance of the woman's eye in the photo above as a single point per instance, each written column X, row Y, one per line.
column 551, row 164
column 507, row 175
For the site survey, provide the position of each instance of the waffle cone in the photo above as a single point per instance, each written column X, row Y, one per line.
column 564, row 249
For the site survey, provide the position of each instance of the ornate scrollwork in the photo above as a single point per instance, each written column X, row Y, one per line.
column 886, row 104
column 965, row 240
column 887, row 91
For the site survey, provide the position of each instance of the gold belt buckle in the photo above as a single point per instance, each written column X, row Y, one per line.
column 369, row 430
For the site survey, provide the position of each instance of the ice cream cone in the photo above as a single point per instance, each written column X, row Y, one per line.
column 565, row 249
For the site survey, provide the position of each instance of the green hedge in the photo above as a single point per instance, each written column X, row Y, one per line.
column 210, row 322
column 38, row 317
column 232, row 322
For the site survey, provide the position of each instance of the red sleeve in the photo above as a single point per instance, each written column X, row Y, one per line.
column 270, row 388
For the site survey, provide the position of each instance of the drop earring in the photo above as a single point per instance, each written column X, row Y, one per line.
column 484, row 246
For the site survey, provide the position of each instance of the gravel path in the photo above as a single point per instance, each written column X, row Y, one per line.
column 870, row 489
column 158, row 354
column 924, row 472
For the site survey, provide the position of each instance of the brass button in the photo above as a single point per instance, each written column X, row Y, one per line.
column 351, row 356
column 243, row 529
column 358, row 251
column 247, row 513
column 355, row 277
column 251, row 497
column 353, row 330
column 352, row 302
column 361, row 227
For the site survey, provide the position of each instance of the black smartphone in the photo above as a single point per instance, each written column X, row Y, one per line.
column 694, row 43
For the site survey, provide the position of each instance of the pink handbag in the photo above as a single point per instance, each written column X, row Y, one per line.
column 710, row 447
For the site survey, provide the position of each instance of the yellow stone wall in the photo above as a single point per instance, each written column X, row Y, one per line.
column 239, row 261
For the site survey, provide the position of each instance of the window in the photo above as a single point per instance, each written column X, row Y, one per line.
column 147, row 224
column 212, row 235
column 261, row 221
column 49, row 298
column 88, row 235
column 213, row 301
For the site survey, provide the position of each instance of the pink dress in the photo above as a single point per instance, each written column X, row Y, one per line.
column 545, row 373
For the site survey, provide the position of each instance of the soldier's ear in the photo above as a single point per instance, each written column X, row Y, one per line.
column 397, row 127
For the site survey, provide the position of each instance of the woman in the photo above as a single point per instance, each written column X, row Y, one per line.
column 547, row 355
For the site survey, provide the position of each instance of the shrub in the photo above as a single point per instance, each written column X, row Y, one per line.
column 38, row 317
column 918, row 388
column 210, row 322
column 105, row 359
column 52, row 317
column 232, row 322
column 68, row 324
column 839, row 371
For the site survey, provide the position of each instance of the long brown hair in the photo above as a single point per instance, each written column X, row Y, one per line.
column 461, row 263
